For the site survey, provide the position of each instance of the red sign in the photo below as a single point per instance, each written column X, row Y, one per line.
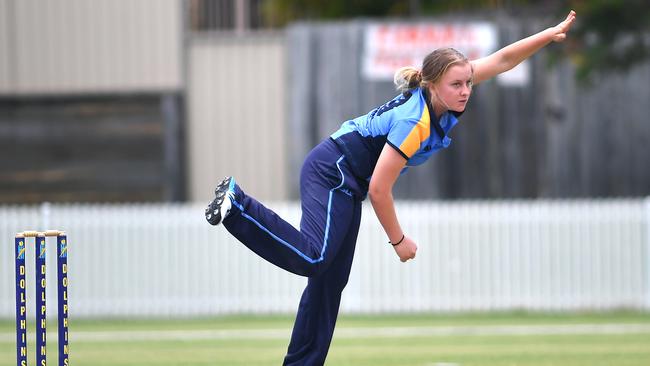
column 390, row 46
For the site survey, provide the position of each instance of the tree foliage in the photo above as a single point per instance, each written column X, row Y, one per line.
column 281, row 12
column 609, row 36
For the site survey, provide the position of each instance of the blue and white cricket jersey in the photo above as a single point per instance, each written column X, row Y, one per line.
column 407, row 123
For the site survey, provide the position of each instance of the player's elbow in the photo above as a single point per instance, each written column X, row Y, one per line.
column 378, row 192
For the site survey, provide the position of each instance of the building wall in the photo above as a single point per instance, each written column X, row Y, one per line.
column 91, row 100
column 92, row 149
column 236, row 114
column 99, row 46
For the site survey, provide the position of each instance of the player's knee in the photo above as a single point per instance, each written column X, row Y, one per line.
column 312, row 269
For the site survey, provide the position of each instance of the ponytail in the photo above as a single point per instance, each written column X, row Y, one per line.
column 407, row 78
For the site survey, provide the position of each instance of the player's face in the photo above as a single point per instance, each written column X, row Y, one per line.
column 454, row 88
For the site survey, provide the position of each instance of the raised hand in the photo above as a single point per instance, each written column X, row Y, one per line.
column 562, row 28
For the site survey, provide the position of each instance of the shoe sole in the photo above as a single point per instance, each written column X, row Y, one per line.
column 215, row 214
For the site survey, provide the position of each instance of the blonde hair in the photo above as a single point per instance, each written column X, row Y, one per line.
column 434, row 65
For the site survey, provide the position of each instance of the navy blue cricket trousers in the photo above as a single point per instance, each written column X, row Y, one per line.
column 322, row 249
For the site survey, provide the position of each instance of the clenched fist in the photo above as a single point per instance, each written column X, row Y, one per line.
column 406, row 249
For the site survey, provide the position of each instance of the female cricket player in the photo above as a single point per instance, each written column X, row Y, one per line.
column 363, row 158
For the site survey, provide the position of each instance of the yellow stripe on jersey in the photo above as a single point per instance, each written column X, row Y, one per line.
column 418, row 134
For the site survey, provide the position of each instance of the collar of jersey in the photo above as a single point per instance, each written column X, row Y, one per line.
column 434, row 123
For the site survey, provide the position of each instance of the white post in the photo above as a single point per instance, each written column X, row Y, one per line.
column 647, row 242
column 241, row 14
column 45, row 217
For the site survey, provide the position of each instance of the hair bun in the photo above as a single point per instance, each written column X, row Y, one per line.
column 407, row 78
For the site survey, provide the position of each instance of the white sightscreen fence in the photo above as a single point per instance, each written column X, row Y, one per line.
column 165, row 260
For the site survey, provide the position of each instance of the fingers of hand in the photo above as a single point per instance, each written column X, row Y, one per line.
column 570, row 16
column 410, row 254
column 569, row 20
column 566, row 24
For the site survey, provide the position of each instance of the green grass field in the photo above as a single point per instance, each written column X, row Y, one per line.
column 509, row 339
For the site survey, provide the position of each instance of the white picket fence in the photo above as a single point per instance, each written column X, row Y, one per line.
column 164, row 260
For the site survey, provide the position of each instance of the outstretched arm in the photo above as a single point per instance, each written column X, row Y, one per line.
column 510, row 56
